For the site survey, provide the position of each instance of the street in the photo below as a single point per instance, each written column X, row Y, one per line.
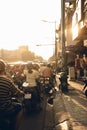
column 40, row 120
column 71, row 107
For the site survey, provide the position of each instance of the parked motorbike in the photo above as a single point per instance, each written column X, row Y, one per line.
column 31, row 100
column 63, row 86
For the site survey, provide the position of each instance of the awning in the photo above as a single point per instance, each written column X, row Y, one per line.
column 77, row 49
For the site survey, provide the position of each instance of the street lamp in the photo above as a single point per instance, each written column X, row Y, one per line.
column 54, row 22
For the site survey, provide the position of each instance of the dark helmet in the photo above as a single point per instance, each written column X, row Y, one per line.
column 2, row 65
column 49, row 65
column 30, row 66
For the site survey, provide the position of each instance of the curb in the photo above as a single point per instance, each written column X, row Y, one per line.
column 78, row 81
column 61, row 117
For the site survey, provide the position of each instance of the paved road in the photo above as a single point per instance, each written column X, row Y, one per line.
column 39, row 120
column 33, row 120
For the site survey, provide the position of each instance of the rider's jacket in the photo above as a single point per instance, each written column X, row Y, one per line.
column 31, row 77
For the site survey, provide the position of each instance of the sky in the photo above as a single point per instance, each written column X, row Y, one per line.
column 22, row 23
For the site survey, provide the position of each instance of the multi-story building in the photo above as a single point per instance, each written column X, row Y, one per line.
column 75, row 28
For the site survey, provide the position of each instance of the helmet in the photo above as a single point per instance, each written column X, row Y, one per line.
column 2, row 65
column 30, row 66
column 36, row 66
column 48, row 65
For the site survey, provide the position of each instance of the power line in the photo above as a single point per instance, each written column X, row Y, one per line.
column 44, row 44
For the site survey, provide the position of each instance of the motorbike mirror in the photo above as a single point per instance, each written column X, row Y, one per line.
column 25, row 84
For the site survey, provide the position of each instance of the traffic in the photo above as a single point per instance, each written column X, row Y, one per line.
column 23, row 90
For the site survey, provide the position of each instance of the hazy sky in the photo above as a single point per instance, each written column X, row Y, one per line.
column 21, row 24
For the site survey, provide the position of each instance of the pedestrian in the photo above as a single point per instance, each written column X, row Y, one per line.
column 84, row 65
column 77, row 66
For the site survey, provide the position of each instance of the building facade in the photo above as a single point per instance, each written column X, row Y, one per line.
column 75, row 29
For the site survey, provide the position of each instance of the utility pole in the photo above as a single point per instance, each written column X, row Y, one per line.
column 63, row 34
column 55, row 48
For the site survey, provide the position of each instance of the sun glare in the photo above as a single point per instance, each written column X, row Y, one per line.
column 75, row 31
column 21, row 24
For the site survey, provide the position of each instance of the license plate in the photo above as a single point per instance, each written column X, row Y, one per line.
column 46, row 82
column 41, row 81
column 27, row 96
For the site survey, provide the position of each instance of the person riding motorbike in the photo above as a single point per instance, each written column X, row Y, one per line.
column 48, row 79
column 32, row 75
column 47, row 71
column 8, row 90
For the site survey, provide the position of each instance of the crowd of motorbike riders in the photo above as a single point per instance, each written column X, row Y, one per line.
column 12, row 79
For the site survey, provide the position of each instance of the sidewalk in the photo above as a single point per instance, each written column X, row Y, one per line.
column 70, row 110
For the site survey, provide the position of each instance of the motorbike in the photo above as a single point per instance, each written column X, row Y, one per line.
column 40, row 83
column 31, row 101
column 63, row 86
column 8, row 122
column 46, row 85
